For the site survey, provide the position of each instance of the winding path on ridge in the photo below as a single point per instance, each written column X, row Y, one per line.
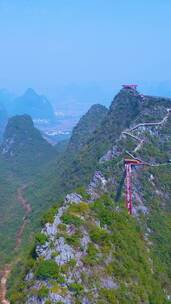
column 141, row 141
column 7, row 269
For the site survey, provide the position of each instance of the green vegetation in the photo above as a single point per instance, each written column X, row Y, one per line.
column 92, row 257
column 48, row 217
column 43, row 292
column 24, row 158
column 52, row 176
column 133, row 253
column 78, row 209
column 73, row 239
column 86, row 126
column 41, row 238
column 16, row 281
column 28, row 153
column 101, row 208
column 130, row 261
column 71, row 219
column 11, row 213
column 76, row 288
column 99, row 235
column 83, row 193
column 48, row 302
column 47, row 270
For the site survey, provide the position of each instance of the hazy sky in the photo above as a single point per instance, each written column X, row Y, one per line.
column 47, row 43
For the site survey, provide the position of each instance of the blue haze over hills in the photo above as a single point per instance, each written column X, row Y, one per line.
column 52, row 46
column 78, row 53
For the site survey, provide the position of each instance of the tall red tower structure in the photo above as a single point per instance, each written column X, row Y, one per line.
column 128, row 169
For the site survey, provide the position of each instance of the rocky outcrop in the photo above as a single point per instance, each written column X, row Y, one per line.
column 73, row 198
column 65, row 252
column 58, row 249
column 97, row 186
column 110, row 154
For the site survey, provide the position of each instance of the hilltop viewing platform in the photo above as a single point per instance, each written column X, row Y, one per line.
column 130, row 86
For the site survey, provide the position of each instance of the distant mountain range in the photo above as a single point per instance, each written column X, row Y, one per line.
column 72, row 99
column 37, row 106
column 31, row 103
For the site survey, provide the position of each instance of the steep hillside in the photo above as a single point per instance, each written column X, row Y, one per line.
column 85, row 127
column 24, row 148
column 23, row 154
column 75, row 169
column 63, row 174
column 127, row 108
column 76, row 166
column 10, row 212
column 90, row 250
column 124, row 109
column 30, row 176
column 37, row 106
column 27, row 159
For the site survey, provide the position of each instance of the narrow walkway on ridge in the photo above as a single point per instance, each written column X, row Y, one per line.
column 141, row 141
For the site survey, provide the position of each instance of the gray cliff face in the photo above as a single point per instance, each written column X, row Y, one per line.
column 97, row 186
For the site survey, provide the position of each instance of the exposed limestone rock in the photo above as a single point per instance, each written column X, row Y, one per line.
column 111, row 154
column 36, row 300
column 107, row 282
column 51, row 229
column 70, row 229
column 85, row 241
column 29, row 276
column 85, row 301
column 65, row 252
column 55, row 298
column 139, row 206
column 44, row 251
column 73, row 198
column 140, row 209
column 97, row 186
